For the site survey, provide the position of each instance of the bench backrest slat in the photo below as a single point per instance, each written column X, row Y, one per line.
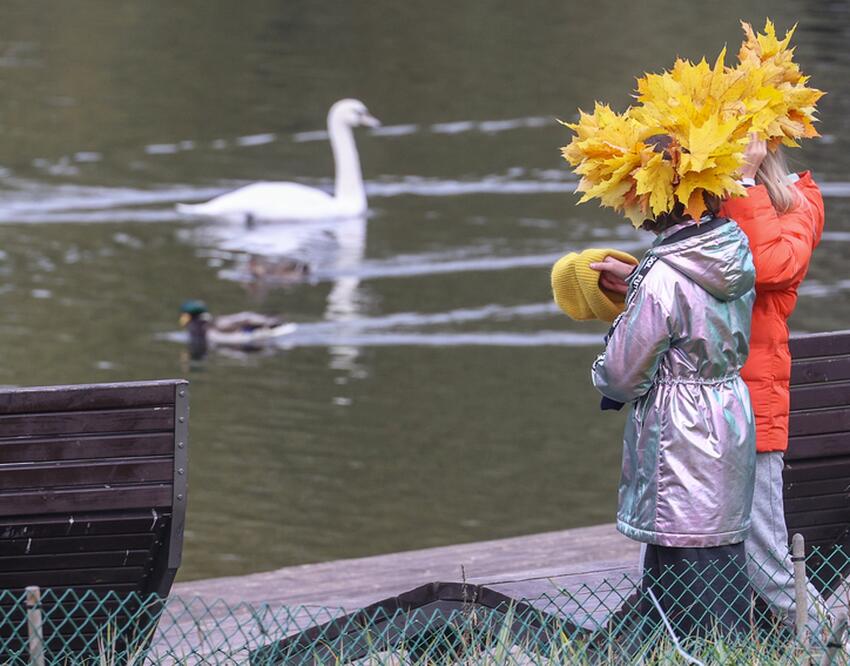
column 87, row 397
column 815, row 345
column 91, row 447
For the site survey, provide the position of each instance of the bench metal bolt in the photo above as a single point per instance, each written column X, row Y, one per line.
column 34, row 625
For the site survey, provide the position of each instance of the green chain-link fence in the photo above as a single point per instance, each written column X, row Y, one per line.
column 706, row 615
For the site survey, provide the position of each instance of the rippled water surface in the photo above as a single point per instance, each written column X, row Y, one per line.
column 431, row 393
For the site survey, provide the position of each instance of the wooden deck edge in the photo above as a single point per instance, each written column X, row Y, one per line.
column 360, row 581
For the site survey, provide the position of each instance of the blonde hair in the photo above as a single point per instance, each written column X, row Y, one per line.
column 773, row 174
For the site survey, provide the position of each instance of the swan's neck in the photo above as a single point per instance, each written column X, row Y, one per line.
column 349, row 179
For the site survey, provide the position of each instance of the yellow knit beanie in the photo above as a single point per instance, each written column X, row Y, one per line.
column 575, row 285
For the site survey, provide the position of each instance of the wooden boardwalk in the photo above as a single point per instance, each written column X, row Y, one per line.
column 581, row 573
column 522, row 566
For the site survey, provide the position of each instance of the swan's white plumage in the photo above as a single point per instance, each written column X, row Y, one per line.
column 262, row 201
column 278, row 202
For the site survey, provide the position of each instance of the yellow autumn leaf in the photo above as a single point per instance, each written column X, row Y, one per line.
column 655, row 178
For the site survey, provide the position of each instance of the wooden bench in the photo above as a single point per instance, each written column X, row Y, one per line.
column 93, row 483
column 817, row 463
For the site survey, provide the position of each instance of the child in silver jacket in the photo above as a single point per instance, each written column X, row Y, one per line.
column 689, row 445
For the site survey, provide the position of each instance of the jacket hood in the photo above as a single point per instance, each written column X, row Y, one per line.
column 717, row 258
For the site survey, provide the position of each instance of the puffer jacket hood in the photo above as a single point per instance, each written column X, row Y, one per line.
column 710, row 259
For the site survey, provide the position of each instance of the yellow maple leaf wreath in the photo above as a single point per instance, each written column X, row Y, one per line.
column 685, row 137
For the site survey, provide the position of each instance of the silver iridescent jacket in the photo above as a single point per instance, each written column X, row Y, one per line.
column 676, row 353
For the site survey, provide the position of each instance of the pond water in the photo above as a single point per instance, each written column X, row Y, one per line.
column 432, row 394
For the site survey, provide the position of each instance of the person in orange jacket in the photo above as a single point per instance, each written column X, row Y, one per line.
column 782, row 216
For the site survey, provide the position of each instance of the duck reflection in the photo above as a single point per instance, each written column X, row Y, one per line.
column 271, row 256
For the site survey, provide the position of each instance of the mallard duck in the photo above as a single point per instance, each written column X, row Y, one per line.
column 244, row 330
column 292, row 201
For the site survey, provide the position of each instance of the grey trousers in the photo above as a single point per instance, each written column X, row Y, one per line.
column 768, row 557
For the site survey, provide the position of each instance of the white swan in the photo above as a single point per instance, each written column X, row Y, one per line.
column 291, row 201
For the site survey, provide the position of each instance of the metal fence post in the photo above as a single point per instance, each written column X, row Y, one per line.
column 34, row 625
column 801, row 601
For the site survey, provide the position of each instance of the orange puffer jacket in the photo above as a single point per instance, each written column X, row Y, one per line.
column 782, row 247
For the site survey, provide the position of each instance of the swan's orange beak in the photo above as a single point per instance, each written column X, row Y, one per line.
column 185, row 318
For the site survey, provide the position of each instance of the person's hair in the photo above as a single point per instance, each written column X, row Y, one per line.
column 678, row 214
column 773, row 174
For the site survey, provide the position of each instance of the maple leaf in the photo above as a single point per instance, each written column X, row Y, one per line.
column 703, row 142
column 655, row 178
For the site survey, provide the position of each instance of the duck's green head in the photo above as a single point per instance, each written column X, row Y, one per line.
column 191, row 309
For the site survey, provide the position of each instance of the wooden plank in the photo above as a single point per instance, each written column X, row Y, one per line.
column 75, row 646
column 73, row 423
column 80, row 397
column 98, row 446
column 75, row 638
column 818, row 503
column 820, row 533
column 821, row 421
column 810, row 345
column 90, row 524
column 85, row 560
column 79, row 617
column 75, row 577
column 824, row 517
column 85, row 473
column 80, row 589
column 811, row 447
column 798, row 469
column 822, row 548
column 92, row 606
column 75, row 641
column 86, row 499
column 820, row 370
column 76, row 544
column 798, row 489
column 815, row 396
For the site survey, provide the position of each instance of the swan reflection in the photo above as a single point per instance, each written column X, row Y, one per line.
column 270, row 256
